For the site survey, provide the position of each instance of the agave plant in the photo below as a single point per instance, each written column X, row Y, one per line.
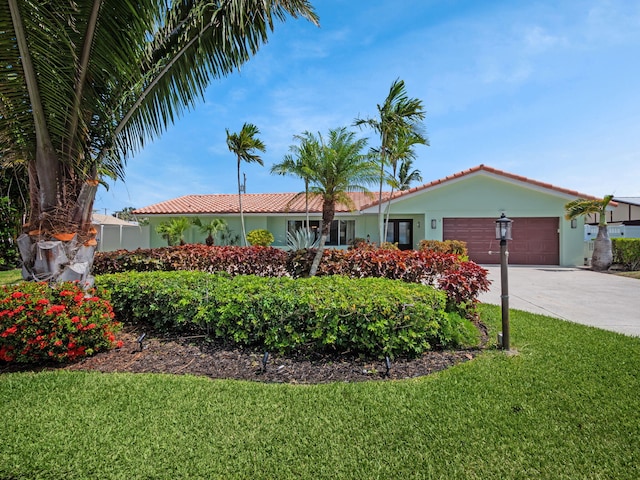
column 302, row 239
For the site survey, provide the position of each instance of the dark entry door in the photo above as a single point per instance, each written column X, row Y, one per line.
column 401, row 232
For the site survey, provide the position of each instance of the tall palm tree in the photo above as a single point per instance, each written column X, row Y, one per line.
column 299, row 163
column 84, row 84
column 340, row 167
column 243, row 144
column 397, row 113
column 401, row 150
column 602, row 257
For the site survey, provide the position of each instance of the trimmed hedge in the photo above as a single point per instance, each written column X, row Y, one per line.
column 460, row 279
column 371, row 316
column 626, row 252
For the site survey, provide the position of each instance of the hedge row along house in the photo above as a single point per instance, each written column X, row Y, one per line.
column 462, row 206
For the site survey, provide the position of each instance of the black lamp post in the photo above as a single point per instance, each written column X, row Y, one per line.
column 503, row 233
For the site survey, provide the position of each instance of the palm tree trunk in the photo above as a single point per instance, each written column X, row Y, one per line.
column 244, row 234
column 602, row 257
column 306, row 202
column 386, row 223
column 328, row 212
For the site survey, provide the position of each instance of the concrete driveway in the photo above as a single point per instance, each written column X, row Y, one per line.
column 579, row 295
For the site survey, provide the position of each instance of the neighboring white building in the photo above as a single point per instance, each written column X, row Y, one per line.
column 115, row 234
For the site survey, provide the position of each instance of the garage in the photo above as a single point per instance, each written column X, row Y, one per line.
column 535, row 239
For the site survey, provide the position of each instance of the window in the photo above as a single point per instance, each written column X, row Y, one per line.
column 342, row 232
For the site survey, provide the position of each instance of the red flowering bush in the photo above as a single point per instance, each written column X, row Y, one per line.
column 39, row 322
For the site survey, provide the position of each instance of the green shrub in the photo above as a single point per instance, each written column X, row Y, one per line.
column 626, row 252
column 9, row 231
column 260, row 238
column 370, row 316
column 165, row 300
column 39, row 322
column 457, row 247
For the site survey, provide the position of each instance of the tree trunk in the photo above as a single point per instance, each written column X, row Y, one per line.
column 62, row 248
column 328, row 212
column 386, row 222
column 244, row 234
column 602, row 257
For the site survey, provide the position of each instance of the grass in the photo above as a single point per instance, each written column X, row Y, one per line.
column 630, row 274
column 8, row 277
column 566, row 406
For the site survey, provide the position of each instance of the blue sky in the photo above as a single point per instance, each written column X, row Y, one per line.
column 545, row 89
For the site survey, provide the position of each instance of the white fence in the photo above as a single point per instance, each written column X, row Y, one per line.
column 615, row 231
column 117, row 237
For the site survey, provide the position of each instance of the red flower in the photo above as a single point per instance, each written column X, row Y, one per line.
column 17, row 295
column 5, row 354
column 119, row 344
column 9, row 331
column 43, row 301
column 66, row 293
column 55, row 309
column 90, row 326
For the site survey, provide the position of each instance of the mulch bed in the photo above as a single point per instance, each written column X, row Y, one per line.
column 199, row 355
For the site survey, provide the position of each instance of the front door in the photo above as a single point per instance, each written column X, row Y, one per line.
column 400, row 232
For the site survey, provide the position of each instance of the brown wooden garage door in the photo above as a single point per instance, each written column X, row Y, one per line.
column 535, row 240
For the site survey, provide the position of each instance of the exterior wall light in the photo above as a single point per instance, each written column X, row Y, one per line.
column 574, row 223
column 434, row 223
column 503, row 233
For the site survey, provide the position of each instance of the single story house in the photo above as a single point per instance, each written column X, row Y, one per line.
column 463, row 206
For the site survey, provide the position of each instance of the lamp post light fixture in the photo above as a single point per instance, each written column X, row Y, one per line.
column 503, row 233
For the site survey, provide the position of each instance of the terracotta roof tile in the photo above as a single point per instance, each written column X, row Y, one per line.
column 251, row 203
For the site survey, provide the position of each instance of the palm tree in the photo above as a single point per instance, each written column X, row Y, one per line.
column 84, row 84
column 398, row 113
column 339, row 168
column 212, row 227
column 406, row 176
column 602, row 257
column 299, row 164
column 243, row 144
column 173, row 230
column 401, row 150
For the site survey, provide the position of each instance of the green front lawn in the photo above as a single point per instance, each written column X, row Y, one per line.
column 566, row 406
column 8, row 277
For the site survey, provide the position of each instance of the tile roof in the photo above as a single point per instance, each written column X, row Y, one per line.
column 99, row 219
column 261, row 203
column 256, row 203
